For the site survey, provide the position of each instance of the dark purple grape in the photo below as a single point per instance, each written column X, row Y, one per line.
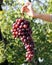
column 22, row 23
column 20, row 26
column 25, row 26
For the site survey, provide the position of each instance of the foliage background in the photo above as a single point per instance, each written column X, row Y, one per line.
column 13, row 49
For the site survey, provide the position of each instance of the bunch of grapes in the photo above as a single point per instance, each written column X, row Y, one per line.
column 21, row 29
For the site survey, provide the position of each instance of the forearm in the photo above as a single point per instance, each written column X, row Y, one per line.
column 46, row 17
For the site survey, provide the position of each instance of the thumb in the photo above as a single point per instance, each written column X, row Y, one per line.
column 30, row 6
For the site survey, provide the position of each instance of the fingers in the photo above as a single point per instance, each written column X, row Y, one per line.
column 28, row 3
column 25, row 7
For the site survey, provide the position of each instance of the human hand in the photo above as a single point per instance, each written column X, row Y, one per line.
column 27, row 8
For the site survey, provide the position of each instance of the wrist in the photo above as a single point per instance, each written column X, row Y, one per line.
column 35, row 15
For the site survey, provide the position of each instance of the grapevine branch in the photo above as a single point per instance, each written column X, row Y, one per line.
column 1, row 1
column 1, row 36
column 3, row 39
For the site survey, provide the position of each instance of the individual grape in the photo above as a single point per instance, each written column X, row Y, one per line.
column 22, row 23
column 14, row 30
column 15, row 26
column 20, row 26
column 25, row 26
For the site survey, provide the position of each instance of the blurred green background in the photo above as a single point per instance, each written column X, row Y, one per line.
column 13, row 49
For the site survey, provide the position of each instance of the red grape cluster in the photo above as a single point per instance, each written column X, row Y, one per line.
column 21, row 29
